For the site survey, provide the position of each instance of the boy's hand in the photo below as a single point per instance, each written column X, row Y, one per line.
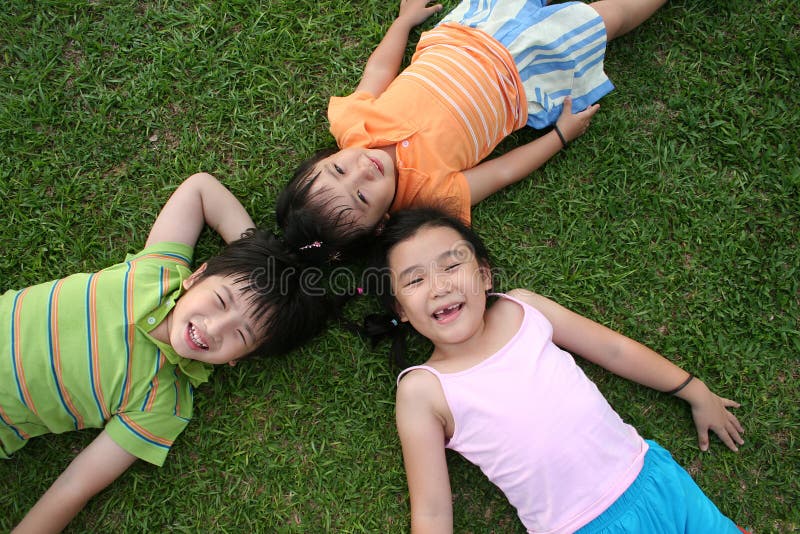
column 574, row 125
column 417, row 11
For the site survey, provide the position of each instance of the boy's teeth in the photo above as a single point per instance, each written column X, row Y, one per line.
column 196, row 338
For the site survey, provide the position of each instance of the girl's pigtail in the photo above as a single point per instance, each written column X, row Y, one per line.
column 378, row 326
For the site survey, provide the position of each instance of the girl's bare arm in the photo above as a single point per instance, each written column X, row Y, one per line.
column 634, row 361
column 384, row 64
column 422, row 437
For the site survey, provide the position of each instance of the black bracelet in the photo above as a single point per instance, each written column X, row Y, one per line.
column 683, row 385
column 560, row 136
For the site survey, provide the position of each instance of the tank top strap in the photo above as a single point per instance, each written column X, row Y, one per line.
column 428, row 368
column 524, row 305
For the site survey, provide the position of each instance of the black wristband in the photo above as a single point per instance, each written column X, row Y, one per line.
column 561, row 136
column 683, row 385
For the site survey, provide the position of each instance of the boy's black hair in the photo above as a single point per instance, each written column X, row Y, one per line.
column 402, row 226
column 307, row 218
column 285, row 298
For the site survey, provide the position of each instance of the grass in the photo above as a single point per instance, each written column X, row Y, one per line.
column 673, row 219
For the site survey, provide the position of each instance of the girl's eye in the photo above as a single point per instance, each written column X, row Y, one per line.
column 451, row 267
column 241, row 335
column 221, row 302
column 338, row 169
column 413, row 282
column 361, row 197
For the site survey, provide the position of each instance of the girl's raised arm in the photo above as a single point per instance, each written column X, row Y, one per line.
column 422, row 437
column 198, row 201
column 632, row 360
column 384, row 63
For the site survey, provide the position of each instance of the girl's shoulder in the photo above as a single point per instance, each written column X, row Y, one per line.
column 524, row 295
column 510, row 302
column 417, row 383
column 540, row 303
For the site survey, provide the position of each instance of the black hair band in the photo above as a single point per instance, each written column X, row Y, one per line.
column 561, row 136
column 683, row 385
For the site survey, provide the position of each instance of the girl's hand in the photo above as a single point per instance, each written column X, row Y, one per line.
column 574, row 125
column 710, row 412
column 417, row 11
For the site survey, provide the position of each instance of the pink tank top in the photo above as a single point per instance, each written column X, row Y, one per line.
column 541, row 430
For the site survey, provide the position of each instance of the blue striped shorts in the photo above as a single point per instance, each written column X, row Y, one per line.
column 558, row 49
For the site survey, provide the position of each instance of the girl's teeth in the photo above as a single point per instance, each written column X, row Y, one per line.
column 447, row 310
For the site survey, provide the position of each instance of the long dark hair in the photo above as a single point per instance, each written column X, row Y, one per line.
column 402, row 226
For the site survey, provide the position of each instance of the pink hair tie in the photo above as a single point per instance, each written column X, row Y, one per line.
column 360, row 290
column 315, row 244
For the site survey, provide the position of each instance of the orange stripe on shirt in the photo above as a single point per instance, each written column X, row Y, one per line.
column 131, row 333
column 154, row 385
column 7, row 420
column 144, row 432
column 175, row 259
column 26, row 394
column 57, row 355
column 93, row 335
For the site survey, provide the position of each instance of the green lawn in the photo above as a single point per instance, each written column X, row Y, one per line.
column 674, row 219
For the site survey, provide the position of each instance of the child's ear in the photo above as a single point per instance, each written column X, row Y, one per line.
column 486, row 276
column 194, row 277
column 381, row 225
column 400, row 312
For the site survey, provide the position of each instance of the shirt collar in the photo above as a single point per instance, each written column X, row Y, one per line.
column 196, row 371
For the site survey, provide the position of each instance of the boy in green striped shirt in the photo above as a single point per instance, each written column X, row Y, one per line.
column 121, row 349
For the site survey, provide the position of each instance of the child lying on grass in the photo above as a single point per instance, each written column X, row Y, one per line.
column 121, row 349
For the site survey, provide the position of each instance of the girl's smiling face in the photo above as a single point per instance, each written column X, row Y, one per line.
column 360, row 179
column 439, row 285
column 210, row 322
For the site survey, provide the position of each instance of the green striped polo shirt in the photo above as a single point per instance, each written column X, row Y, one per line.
column 75, row 353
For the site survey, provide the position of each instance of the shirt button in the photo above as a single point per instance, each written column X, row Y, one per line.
column 151, row 320
column 405, row 143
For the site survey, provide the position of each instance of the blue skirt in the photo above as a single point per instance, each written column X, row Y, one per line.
column 558, row 49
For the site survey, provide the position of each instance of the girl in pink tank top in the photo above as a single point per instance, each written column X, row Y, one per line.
column 499, row 390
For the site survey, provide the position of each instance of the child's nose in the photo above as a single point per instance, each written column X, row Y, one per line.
column 441, row 285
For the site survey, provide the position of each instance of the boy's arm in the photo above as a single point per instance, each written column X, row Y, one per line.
column 422, row 437
column 97, row 466
column 632, row 360
column 492, row 175
column 384, row 62
column 198, row 201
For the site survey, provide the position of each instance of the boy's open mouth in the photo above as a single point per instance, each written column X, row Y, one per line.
column 194, row 336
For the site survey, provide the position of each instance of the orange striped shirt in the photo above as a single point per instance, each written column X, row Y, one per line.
column 447, row 111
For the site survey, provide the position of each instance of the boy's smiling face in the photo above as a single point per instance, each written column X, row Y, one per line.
column 361, row 179
column 211, row 322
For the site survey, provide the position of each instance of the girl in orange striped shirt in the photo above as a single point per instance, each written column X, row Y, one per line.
column 417, row 138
